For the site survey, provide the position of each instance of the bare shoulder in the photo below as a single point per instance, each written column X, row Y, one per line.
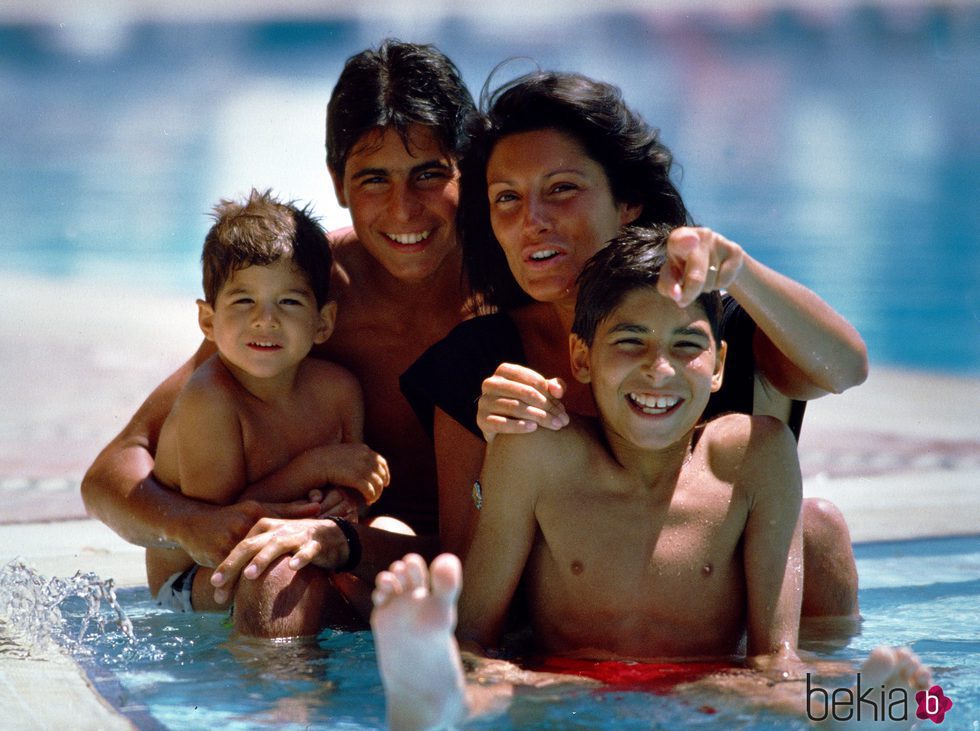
column 326, row 378
column 208, row 404
column 341, row 240
column 346, row 251
column 212, row 386
column 343, row 245
column 320, row 368
column 746, row 446
column 546, row 456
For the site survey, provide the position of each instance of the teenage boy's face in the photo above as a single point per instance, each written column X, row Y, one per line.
column 402, row 200
column 652, row 366
column 265, row 319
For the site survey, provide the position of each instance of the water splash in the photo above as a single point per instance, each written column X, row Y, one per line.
column 35, row 611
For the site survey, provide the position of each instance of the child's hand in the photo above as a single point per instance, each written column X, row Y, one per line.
column 339, row 502
column 356, row 466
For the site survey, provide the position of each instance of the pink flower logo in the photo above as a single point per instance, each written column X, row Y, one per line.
column 933, row 704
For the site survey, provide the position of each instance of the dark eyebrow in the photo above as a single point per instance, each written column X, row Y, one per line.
column 291, row 290
column 429, row 165
column 628, row 327
column 369, row 173
column 692, row 330
column 551, row 174
column 688, row 331
column 565, row 171
column 415, row 169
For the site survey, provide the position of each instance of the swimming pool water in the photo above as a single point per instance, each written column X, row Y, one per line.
column 837, row 144
column 184, row 672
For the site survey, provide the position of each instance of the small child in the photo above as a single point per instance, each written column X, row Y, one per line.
column 642, row 534
column 259, row 419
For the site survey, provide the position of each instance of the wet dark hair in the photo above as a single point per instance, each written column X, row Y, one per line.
column 636, row 163
column 397, row 85
column 631, row 261
column 260, row 231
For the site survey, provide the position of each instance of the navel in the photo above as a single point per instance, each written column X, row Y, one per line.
column 707, row 569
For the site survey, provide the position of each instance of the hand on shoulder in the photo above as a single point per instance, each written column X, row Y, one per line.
column 545, row 454
column 517, row 400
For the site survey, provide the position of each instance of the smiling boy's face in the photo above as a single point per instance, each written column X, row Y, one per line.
column 265, row 319
column 652, row 367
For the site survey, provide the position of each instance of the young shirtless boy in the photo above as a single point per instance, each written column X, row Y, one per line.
column 260, row 403
column 641, row 534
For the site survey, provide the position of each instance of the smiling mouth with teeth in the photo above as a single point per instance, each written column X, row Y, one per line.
column 408, row 239
column 264, row 346
column 654, row 405
column 544, row 255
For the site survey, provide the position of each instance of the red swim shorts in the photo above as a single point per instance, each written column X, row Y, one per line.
column 626, row 675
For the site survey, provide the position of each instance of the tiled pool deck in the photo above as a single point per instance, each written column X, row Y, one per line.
column 900, row 455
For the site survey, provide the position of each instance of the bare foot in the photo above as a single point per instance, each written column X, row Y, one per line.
column 890, row 679
column 418, row 657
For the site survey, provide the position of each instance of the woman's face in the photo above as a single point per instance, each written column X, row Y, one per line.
column 551, row 208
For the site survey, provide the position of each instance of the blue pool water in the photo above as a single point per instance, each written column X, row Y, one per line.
column 184, row 672
column 840, row 146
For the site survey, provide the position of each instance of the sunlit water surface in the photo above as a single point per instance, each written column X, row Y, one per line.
column 184, row 671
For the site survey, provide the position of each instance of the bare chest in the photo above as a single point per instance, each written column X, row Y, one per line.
column 377, row 350
column 646, row 580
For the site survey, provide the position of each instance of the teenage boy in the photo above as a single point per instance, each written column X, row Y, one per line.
column 641, row 534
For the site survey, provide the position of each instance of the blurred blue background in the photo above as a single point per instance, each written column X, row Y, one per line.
column 839, row 145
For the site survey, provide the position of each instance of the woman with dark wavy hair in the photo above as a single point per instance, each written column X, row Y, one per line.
column 558, row 163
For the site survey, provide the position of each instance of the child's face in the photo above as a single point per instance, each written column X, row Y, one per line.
column 265, row 319
column 652, row 366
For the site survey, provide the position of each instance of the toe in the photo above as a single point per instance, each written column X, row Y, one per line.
column 416, row 572
column 447, row 577
column 386, row 586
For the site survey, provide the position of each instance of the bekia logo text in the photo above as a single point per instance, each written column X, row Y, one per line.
column 873, row 703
